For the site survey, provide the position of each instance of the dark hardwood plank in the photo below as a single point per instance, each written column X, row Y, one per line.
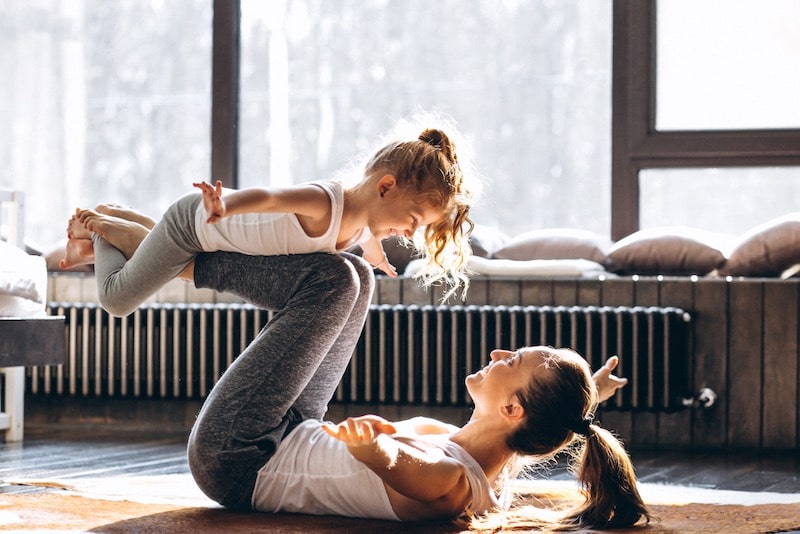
column 711, row 360
column 745, row 358
column 779, row 410
column 675, row 428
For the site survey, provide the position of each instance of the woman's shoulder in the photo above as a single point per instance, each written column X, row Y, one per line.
column 424, row 426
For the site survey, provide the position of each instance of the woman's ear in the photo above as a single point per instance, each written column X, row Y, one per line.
column 386, row 182
column 513, row 411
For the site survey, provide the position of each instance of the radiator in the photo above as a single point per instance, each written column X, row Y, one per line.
column 406, row 354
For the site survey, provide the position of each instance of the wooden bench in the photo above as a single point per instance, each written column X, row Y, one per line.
column 25, row 342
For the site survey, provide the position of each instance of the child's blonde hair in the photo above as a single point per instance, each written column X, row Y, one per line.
column 428, row 168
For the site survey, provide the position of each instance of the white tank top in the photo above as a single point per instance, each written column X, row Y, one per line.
column 270, row 234
column 313, row 473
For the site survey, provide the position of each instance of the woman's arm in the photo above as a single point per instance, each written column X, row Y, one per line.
column 435, row 479
column 607, row 383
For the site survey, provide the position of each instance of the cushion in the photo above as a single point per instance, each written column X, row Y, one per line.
column 398, row 254
column 669, row 250
column 484, row 240
column 555, row 244
column 569, row 268
column 767, row 250
column 23, row 282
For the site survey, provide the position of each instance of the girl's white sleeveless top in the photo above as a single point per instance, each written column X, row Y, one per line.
column 313, row 473
column 269, row 234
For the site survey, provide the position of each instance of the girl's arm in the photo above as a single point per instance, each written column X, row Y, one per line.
column 305, row 200
column 375, row 256
column 435, row 479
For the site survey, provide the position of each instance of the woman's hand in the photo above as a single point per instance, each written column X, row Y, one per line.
column 357, row 431
column 606, row 382
column 212, row 201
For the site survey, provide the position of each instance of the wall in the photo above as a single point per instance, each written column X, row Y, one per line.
column 745, row 347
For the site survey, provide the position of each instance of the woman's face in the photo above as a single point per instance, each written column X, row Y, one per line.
column 507, row 373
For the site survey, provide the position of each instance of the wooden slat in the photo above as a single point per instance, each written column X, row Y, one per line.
column 779, row 411
column 674, row 428
column 504, row 292
column 565, row 292
column 744, row 359
column 711, row 360
column 589, row 292
column 537, row 293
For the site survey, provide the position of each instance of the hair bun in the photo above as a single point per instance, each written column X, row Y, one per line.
column 438, row 139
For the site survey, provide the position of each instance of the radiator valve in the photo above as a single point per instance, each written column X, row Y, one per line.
column 705, row 398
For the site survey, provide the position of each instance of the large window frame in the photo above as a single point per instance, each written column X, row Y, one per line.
column 635, row 142
column 637, row 145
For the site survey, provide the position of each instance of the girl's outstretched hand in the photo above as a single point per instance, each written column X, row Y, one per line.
column 355, row 431
column 606, row 382
column 212, row 200
column 382, row 264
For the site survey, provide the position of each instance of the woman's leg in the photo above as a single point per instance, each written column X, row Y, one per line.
column 251, row 407
column 313, row 402
column 122, row 285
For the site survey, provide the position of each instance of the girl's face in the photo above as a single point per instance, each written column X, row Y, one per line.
column 400, row 214
column 506, row 373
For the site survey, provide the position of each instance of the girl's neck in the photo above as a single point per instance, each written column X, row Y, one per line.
column 355, row 214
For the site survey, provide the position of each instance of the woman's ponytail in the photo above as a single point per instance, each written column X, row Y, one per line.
column 606, row 474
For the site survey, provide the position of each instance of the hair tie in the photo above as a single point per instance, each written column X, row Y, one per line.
column 582, row 427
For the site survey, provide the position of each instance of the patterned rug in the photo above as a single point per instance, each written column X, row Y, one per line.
column 173, row 504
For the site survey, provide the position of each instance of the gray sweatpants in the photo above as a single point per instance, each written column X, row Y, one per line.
column 288, row 373
column 122, row 285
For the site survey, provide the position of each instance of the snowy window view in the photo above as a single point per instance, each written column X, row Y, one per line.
column 103, row 102
column 110, row 101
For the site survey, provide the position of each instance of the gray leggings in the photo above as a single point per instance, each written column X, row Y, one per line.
column 122, row 285
column 288, row 373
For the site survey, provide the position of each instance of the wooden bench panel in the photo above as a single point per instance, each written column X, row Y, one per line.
column 31, row 341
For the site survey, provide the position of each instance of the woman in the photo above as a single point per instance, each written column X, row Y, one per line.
column 259, row 441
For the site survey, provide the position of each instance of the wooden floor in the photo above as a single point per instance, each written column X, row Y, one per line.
column 58, row 451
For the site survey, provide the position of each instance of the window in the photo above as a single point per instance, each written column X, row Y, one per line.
column 644, row 156
column 112, row 101
column 526, row 82
column 103, row 101
column 740, row 202
column 731, row 65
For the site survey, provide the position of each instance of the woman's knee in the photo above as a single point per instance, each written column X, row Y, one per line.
column 364, row 273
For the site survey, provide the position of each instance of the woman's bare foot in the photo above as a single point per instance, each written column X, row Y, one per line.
column 126, row 213
column 77, row 252
column 121, row 233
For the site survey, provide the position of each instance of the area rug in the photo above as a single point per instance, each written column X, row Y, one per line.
column 171, row 504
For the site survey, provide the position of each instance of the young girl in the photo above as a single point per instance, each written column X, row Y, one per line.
column 407, row 185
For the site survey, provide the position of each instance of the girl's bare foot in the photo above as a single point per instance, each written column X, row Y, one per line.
column 126, row 213
column 76, row 229
column 78, row 252
column 123, row 234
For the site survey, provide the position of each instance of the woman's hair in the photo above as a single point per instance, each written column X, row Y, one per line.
column 428, row 168
column 559, row 406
